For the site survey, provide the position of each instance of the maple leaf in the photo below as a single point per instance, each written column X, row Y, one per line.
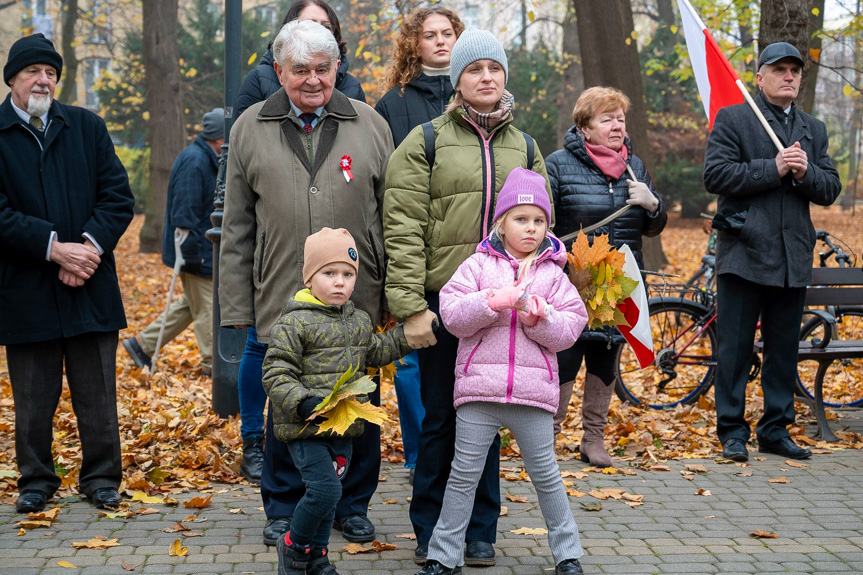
column 177, row 549
column 32, row 523
column 198, row 502
column 344, row 413
column 529, row 531
column 758, row 533
column 342, row 390
column 516, row 498
column 98, row 542
column 144, row 498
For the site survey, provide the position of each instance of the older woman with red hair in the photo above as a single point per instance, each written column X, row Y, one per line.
column 590, row 180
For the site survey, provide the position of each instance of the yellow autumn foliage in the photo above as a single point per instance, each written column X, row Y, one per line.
column 597, row 272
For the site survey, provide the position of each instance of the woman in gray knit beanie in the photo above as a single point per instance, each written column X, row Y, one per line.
column 479, row 72
column 438, row 205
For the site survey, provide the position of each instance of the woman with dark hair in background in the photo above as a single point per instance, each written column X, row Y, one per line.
column 272, row 466
column 418, row 89
column 262, row 82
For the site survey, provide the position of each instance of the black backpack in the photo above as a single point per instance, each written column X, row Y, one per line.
column 428, row 134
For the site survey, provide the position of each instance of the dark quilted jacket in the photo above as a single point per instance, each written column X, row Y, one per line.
column 262, row 82
column 583, row 196
column 311, row 346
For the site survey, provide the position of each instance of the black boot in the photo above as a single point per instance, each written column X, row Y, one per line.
column 293, row 558
column 319, row 563
column 568, row 567
column 253, row 459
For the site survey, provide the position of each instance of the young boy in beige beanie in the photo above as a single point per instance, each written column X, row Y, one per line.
column 319, row 337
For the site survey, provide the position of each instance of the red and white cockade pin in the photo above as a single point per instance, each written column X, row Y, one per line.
column 345, row 164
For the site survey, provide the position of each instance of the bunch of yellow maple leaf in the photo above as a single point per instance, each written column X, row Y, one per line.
column 341, row 408
column 597, row 273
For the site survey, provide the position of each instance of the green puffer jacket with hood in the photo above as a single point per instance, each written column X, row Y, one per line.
column 435, row 217
column 311, row 346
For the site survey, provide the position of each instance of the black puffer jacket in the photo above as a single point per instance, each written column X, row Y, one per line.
column 262, row 82
column 424, row 98
column 583, row 196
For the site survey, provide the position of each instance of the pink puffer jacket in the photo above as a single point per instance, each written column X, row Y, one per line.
column 499, row 358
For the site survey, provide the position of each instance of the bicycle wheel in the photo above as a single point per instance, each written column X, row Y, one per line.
column 684, row 333
column 843, row 382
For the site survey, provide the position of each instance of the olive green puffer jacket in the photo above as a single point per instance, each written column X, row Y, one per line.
column 435, row 218
column 312, row 345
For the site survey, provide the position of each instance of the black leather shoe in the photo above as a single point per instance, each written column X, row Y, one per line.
column 30, row 502
column 421, row 553
column 784, row 447
column 253, row 459
column 434, row 568
column 105, row 498
column 568, row 567
column 356, row 528
column 479, row 554
column 275, row 528
column 735, row 450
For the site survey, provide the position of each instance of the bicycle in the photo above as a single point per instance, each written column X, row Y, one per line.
column 705, row 278
column 843, row 384
column 684, row 332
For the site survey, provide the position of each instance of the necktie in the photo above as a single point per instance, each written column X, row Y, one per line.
column 307, row 119
column 36, row 122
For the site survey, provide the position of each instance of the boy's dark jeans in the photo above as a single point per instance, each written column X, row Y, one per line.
column 314, row 458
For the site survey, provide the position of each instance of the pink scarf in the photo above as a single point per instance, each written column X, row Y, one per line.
column 609, row 162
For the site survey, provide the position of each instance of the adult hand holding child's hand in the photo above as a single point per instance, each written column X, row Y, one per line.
column 419, row 330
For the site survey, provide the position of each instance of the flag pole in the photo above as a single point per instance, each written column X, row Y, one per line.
column 761, row 118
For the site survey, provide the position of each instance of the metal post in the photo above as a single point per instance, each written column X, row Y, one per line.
column 228, row 343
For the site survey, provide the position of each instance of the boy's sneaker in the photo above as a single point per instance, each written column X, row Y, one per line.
column 319, row 563
column 568, row 567
column 293, row 558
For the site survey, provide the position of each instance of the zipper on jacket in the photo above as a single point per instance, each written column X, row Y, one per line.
column 547, row 364
column 261, row 257
column 470, row 357
column 510, row 375
column 486, row 168
column 347, row 337
column 443, row 98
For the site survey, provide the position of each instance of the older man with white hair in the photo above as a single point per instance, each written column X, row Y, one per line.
column 306, row 158
column 64, row 204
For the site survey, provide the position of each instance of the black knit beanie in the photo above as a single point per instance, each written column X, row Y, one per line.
column 29, row 50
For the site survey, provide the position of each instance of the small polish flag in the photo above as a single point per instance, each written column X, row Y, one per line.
column 635, row 310
column 716, row 79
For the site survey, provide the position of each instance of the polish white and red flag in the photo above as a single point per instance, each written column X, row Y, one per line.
column 634, row 308
column 717, row 80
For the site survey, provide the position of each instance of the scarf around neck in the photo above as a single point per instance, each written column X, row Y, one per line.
column 612, row 164
column 489, row 121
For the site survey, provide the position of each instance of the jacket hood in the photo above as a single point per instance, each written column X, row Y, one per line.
column 551, row 249
column 574, row 142
column 304, row 299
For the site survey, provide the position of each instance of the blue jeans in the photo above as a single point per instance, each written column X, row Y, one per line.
column 253, row 398
column 315, row 459
column 411, row 410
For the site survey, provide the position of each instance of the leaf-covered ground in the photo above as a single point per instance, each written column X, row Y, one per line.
column 172, row 442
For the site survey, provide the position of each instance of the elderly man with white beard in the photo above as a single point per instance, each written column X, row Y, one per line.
column 64, row 203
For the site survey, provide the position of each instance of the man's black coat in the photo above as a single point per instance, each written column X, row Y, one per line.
column 71, row 183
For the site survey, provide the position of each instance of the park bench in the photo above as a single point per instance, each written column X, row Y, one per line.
column 830, row 287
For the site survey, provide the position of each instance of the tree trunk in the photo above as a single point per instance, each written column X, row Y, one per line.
column 806, row 100
column 162, row 65
column 610, row 58
column 573, row 75
column 69, row 90
column 785, row 21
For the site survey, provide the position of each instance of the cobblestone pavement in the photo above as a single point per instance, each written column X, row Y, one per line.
column 816, row 516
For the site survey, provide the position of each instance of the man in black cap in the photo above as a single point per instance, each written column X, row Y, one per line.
column 764, row 250
column 190, row 203
column 64, row 204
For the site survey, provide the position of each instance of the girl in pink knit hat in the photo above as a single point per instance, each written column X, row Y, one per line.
column 512, row 308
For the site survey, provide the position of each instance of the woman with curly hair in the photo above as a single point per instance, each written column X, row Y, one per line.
column 417, row 84
column 418, row 89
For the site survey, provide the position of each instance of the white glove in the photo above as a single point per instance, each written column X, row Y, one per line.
column 418, row 329
column 640, row 195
